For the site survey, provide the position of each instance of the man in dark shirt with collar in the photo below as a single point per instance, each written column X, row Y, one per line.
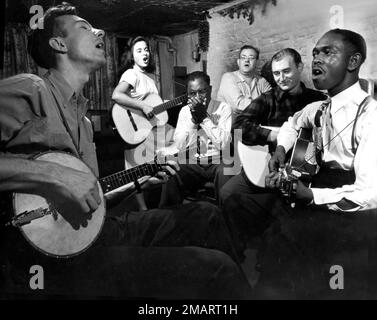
column 271, row 108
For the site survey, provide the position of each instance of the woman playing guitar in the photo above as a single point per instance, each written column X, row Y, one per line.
column 136, row 83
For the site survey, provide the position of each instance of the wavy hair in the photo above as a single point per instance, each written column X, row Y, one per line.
column 127, row 59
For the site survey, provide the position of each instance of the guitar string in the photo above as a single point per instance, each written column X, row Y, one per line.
column 167, row 105
column 116, row 179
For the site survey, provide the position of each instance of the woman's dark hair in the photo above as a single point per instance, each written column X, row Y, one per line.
column 38, row 39
column 127, row 59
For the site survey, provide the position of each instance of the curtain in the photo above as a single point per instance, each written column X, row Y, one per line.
column 16, row 58
column 153, row 43
column 102, row 83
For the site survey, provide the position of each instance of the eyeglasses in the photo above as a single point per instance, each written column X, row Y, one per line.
column 244, row 58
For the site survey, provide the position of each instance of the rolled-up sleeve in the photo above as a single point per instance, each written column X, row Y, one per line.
column 130, row 77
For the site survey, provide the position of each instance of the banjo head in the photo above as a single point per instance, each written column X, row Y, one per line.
column 52, row 234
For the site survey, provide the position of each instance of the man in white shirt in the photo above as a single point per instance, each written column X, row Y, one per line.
column 302, row 244
column 240, row 87
column 203, row 128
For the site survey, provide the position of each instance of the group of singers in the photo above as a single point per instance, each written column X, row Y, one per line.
column 197, row 249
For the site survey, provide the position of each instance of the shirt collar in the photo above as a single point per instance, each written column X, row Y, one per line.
column 280, row 94
column 137, row 68
column 66, row 91
column 240, row 78
column 352, row 94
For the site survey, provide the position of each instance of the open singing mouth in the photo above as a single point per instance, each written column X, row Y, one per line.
column 316, row 71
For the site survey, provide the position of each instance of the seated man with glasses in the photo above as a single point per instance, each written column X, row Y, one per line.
column 203, row 129
column 239, row 88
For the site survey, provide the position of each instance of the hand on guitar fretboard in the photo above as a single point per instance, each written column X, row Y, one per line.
column 172, row 153
column 287, row 184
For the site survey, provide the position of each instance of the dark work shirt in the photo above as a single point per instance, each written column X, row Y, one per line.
column 30, row 121
column 272, row 108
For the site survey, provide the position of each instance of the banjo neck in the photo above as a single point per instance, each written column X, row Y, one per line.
column 119, row 179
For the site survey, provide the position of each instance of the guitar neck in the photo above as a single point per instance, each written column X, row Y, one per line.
column 124, row 177
column 170, row 104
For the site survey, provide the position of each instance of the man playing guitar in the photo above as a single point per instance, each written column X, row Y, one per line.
column 333, row 223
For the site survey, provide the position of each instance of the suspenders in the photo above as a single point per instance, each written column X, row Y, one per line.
column 360, row 110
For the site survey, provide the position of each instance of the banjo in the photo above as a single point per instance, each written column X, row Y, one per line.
column 46, row 229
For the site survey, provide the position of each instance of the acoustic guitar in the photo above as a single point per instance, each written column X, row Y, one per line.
column 301, row 166
column 254, row 160
column 134, row 127
column 47, row 230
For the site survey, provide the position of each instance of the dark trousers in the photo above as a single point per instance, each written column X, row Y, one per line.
column 152, row 254
column 192, row 177
column 300, row 246
column 238, row 184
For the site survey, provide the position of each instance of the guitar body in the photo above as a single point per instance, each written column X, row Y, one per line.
column 299, row 155
column 132, row 125
column 52, row 234
column 298, row 167
column 254, row 160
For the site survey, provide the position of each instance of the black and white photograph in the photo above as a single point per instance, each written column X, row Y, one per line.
column 188, row 155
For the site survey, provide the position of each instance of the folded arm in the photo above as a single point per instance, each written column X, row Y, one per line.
column 230, row 92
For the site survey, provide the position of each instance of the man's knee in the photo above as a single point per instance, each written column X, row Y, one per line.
column 223, row 275
column 207, row 207
column 204, row 210
column 216, row 263
column 225, row 192
column 231, row 201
